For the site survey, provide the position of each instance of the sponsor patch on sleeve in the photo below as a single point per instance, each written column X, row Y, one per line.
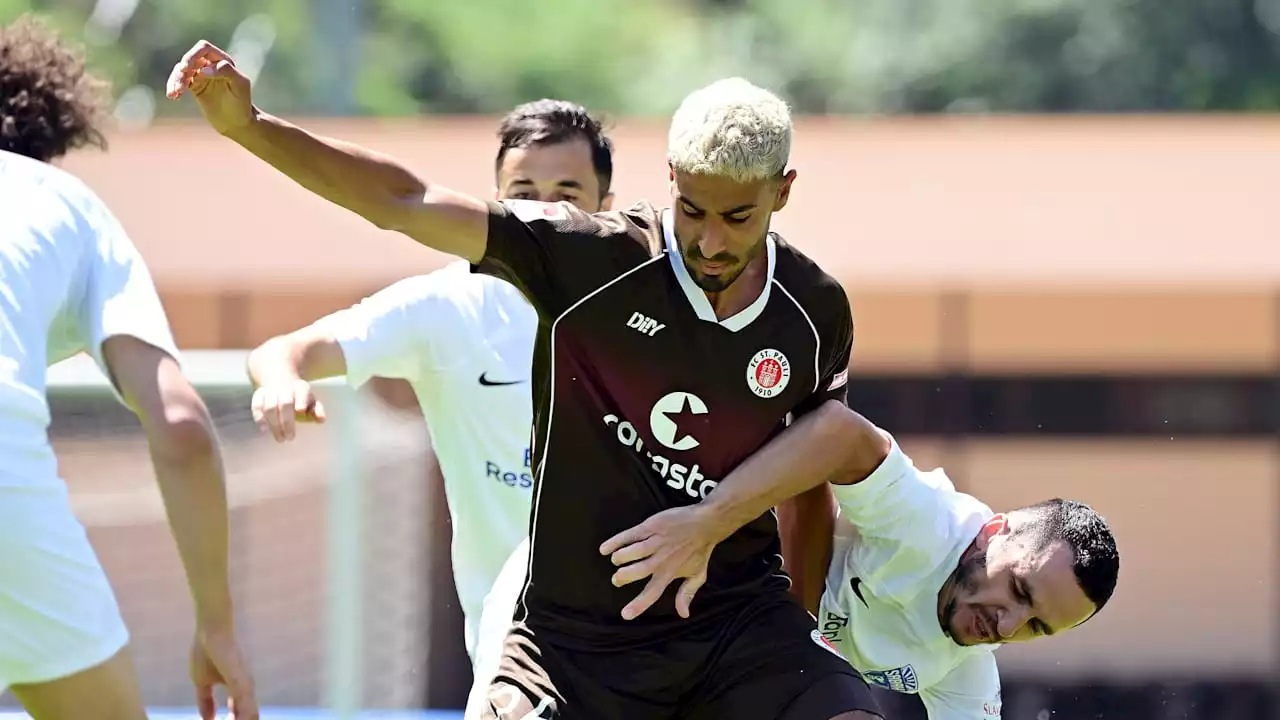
column 532, row 210
column 840, row 380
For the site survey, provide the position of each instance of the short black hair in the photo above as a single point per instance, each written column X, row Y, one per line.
column 49, row 102
column 1095, row 558
column 550, row 122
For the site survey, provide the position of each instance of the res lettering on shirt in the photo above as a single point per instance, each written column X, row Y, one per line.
column 464, row 343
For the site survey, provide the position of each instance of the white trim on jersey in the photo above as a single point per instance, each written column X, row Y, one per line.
column 698, row 299
column 551, row 412
column 817, row 339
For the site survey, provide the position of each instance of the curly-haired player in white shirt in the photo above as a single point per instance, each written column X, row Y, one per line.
column 71, row 281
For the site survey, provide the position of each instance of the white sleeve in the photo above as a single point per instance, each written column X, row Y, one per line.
column 971, row 691
column 896, row 499
column 397, row 332
column 120, row 297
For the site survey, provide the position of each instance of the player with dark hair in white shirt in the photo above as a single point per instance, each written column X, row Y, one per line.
column 464, row 342
column 923, row 582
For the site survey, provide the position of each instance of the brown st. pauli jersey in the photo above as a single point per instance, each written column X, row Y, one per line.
column 643, row 400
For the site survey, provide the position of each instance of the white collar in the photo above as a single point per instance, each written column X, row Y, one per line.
column 698, row 299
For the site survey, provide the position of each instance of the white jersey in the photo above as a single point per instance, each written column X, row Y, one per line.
column 69, row 279
column 900, row 535
column 464, row 342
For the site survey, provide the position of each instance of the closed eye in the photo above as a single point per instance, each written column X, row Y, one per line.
column 1023, row 594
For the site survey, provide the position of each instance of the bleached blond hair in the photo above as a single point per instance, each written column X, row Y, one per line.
column 731, row 129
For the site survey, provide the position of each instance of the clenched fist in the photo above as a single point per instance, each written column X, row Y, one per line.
column 220, row 89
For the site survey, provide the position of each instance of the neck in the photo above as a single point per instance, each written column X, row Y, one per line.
column 742, row 291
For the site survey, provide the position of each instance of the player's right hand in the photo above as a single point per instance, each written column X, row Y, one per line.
column 216, row 659
column 220, row 89
column 278, row 408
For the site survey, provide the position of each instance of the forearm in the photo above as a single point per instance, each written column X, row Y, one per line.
column 191, row 479
column 304, row 355
column 806, row 524
column 374, row 186
column 369, row 184
column 813, row 451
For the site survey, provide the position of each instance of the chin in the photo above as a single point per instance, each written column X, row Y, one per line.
column 712, row 283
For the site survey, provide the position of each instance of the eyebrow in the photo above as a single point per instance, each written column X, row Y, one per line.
column 732, row 211
column 574, row 184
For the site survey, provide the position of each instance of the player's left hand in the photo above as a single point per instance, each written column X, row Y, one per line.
column 673, row 544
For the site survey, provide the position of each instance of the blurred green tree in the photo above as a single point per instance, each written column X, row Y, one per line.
column 625, row 57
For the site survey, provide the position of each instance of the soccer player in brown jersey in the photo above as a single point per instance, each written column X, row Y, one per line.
column 673, row 346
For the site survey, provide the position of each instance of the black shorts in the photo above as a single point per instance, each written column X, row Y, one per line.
column 767, row 662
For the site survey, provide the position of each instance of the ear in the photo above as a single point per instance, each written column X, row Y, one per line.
column 784, row 190
column 997, row 525
column 606, row 203
column 497, row 194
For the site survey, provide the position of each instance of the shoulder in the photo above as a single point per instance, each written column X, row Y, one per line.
column 32, row 181
column 640, row 225
column 819, row 294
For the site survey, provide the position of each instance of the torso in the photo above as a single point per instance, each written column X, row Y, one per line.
column 647, row 402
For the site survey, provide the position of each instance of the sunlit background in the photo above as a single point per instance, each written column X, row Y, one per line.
column 1056, row 220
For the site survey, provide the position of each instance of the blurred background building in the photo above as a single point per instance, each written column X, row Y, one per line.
column 1056, row 220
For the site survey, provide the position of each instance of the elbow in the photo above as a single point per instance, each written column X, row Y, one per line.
column 392, row 210
column 183, row 433
column 861, row 445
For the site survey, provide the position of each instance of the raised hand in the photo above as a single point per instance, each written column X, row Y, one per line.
column 221, row 90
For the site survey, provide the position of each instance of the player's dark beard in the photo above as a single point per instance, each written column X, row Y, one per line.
column 717, row 283
column 964, row 579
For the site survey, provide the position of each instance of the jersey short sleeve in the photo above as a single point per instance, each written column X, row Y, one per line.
column 835, row 332
column 394, row 333
column 971, row 691
column 896, row 501
column 556, row 253
column 120, row 297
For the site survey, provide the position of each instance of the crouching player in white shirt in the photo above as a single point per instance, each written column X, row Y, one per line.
column 464, row 342
column 923, row 583
column 71, row 281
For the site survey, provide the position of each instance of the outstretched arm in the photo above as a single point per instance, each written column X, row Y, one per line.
column 374, row 186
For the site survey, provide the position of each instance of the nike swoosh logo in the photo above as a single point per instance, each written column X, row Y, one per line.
column 485, row 381
column 856, row 584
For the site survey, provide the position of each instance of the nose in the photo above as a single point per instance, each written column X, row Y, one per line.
column 712, row 242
